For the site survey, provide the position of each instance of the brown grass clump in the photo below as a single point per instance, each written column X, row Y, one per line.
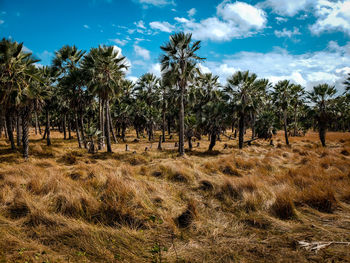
column 283, row 206
column 68, row 158
column 186, row 218
column 319, row 197
column 19, row 207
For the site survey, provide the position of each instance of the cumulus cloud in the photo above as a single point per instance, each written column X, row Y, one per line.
column 287, row 7
column 155, row 69
column 132, row 78
column 119, row 51
column 1, row 22
column 233, row 20
column 328, row 66
column 162, row 26
column 332, row 16
column 243, row 14
column 86, row 26
column 281, row 20
column 287, row 33
column 142, row 52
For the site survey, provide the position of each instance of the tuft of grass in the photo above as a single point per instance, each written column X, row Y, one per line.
column 186, row 218
column 318, row 196
column 283, row 206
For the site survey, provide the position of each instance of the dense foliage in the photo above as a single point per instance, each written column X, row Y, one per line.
column 87, row 92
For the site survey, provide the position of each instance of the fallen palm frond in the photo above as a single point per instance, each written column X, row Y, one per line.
column 316, row 246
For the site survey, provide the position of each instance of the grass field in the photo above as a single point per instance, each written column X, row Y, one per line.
column 230, row 205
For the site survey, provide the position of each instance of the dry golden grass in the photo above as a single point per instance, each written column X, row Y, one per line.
column 229, row 205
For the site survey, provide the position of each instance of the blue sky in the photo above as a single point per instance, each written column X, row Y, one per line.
column 307, row 41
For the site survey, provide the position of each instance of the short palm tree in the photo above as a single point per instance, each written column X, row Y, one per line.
column 241, row 88
column 321, row 95
column 282, row 97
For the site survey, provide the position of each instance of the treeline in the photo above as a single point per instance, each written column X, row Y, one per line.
column 87, row 94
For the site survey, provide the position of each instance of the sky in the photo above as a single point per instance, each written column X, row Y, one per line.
column 305, row 41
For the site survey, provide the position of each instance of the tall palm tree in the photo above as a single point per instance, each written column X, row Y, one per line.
column 321, row 95
column 105, row 68
column 282, row 97
column 15, row 72
column 180, row 59
column 241, row 88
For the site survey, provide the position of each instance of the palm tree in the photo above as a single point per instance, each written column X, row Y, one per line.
column 241, row 88
column 16, row 71
column 180, row 59
column 105, row 68
column 297, row 101
column 321, row 95
column 282, row 97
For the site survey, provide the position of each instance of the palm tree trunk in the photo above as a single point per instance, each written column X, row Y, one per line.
column 189, row 138
column 25, row 132
column 82, row 130
column 322, row 129
column 169, row 126
column 111, row 127
column 123, row 131
column 241, row 130
column 253, row 125
column 64, row 124
column 163, row 125
column 48, row 128
column 18, row 129
column 9, row 129
column 5, row 128
column 181, row 124
column 212, row 141
column 77, row 129
column 285, row 127
column 36, row 122
column 108, row 138
column 295, row 121
column 101, row 125
column 69, row 128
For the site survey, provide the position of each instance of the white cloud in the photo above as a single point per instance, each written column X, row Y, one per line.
column 119, row 41
column 26, row 49
column 142, row 52
column 132, row 78
column 287, row 33
column 155, row 69
column 119, row 51
column 162, row 26
column 140, row 24
column 287, row 7
column 191, row 12
column 242, row 14
column 1, row 22
column 235, row 20
column 309, row 69
column 203, row 68
column 332, row 16
column 281, row 20
column 86, row 26
column 158, row 3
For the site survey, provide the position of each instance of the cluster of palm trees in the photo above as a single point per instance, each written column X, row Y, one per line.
column 88, row 93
